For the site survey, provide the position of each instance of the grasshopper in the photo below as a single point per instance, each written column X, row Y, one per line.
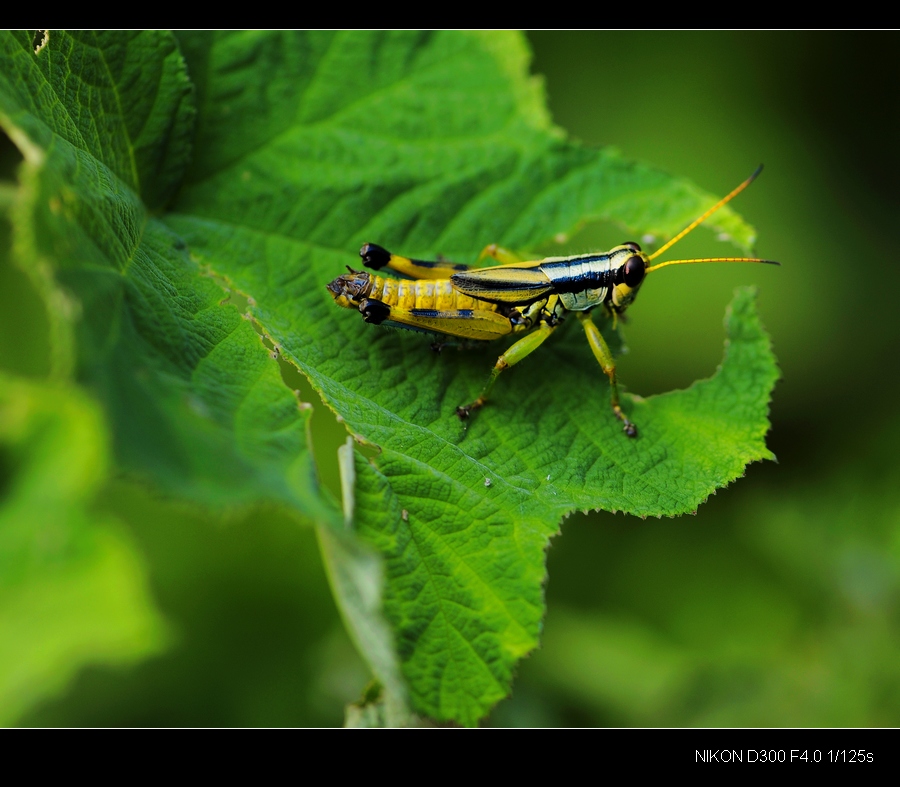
column 516, row 297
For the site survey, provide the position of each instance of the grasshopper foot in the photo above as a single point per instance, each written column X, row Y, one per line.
column 629, row 428
column 466, row 411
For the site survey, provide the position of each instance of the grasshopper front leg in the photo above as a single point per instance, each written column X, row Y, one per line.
column 605, row 359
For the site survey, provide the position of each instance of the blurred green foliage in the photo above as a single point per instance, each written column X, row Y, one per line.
column 778, row 603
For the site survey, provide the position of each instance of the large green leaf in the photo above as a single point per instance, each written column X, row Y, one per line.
column 308, row 145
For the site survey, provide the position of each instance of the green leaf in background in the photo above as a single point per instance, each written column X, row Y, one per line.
column 73, row 589
column 195, row 403
column 308, row 145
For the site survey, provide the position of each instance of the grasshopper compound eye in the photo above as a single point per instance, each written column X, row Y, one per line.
column 634, row 271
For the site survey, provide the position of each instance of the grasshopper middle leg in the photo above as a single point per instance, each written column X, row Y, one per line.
column 521, row 349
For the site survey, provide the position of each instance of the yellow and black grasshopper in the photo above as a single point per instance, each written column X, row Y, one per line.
column 516, row 297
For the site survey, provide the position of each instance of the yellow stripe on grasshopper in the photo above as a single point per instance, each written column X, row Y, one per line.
column 478, row 324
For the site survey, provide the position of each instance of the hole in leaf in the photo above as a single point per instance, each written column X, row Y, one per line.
column 40, row 39
column 327, row 429
column 327, row 432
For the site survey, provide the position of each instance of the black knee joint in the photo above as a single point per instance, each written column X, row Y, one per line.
column 373, row 311
column 374, row 257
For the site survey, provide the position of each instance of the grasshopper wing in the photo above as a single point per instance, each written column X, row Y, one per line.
column 517, row 283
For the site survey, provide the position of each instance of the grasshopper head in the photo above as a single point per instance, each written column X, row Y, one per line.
column 629, row 264
column 348, row 290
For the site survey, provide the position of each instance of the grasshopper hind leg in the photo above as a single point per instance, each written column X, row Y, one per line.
column 376, row 257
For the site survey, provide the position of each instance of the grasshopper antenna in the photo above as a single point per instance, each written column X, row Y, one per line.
column 708, row 259
column 697, row 222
